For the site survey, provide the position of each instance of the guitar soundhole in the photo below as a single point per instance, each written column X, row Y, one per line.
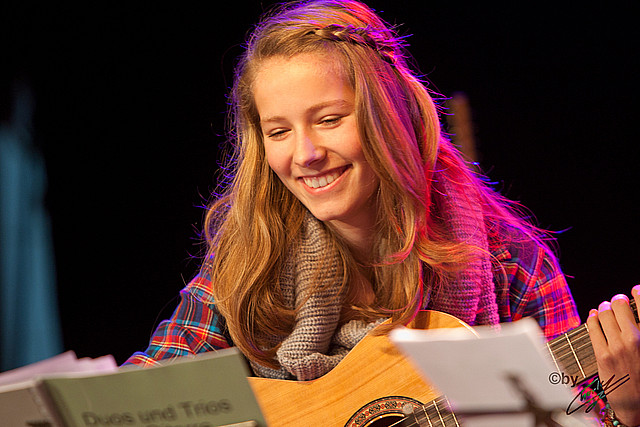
column 386, row 421
column 382, row 412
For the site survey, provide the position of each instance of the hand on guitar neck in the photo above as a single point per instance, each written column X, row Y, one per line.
column 615, row 335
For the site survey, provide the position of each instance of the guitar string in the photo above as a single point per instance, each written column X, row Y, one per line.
column 455, row 419
column 574, row 354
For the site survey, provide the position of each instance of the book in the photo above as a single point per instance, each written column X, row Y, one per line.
column 211, row 389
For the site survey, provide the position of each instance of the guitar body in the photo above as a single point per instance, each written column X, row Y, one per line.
column 370, row 385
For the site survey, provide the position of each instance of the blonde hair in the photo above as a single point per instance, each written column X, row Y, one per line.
column 254, row 224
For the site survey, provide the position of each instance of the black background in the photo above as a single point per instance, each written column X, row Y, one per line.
column 130, row 111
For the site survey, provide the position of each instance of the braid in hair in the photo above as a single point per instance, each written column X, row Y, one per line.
column 365, row 36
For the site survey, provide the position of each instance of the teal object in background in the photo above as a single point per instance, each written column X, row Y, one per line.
column 29, row 322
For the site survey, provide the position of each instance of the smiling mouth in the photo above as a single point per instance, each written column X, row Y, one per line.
column 324, row 180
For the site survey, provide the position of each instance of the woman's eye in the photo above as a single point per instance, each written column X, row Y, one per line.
column 276, row 134
column 331, row 120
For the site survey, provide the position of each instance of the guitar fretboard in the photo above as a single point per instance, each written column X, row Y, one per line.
column 572, row 352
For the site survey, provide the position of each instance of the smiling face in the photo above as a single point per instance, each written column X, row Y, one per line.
column 311, row 139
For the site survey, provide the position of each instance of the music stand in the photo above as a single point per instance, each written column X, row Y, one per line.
column 493, row 378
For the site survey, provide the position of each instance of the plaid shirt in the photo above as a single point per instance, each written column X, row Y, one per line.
column 528, row 283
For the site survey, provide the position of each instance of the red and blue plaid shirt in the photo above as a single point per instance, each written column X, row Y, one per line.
column 527, row 279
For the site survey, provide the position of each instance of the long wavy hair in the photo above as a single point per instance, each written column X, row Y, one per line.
column 253, row 225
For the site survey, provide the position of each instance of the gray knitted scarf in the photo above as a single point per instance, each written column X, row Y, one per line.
column 317, row 344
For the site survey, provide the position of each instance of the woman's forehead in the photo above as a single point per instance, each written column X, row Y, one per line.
column 305, row 80
column 322, row 64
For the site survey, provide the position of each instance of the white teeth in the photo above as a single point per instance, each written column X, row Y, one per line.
column 322, row 181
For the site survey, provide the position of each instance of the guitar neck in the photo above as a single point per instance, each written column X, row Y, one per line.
column 572, row 351
column 435, row 413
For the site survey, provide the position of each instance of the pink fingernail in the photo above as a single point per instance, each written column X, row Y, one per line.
column 620, row 296
column 606, row 305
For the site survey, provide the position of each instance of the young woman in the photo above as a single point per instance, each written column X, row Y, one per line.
column 347, row 205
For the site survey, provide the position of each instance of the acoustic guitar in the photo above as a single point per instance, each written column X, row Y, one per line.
column 376, row 386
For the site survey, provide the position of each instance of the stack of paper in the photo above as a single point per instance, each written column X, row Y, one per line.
column 20, row 402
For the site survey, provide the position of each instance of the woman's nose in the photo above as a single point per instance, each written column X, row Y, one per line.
column 307, row 150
